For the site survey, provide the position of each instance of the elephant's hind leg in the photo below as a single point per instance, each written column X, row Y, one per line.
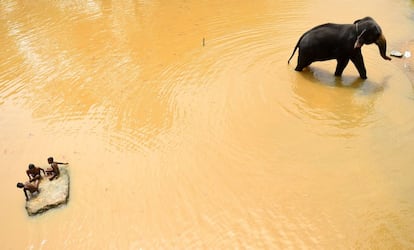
column 302, row 62
column 341, row 66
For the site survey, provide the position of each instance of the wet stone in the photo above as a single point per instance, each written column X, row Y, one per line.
column 51, row 193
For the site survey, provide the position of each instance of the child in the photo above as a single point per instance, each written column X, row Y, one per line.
column 28, row 186
column 54, row 168
column 34, row 173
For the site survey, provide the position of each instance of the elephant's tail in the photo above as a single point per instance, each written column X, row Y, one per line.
column 296, row 47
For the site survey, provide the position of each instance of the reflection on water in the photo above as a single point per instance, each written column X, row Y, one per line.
column 345, row 103
column 185, row 128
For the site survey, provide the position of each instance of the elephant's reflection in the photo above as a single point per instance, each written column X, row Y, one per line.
column 345, row 103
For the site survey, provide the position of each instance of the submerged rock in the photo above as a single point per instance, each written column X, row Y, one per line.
column 51, row 193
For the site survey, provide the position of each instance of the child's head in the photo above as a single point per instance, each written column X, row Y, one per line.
column 50, row 160
column 20, row 185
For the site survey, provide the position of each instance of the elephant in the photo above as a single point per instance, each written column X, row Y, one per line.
column 342, row 42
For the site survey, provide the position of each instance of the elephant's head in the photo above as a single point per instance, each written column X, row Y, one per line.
column 368, row 31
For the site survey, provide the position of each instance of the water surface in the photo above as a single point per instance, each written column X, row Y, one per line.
column 186, row 128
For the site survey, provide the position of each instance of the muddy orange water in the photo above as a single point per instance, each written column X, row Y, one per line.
column 185, row 128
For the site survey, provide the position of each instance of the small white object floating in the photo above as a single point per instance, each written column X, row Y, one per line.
column 396, row 53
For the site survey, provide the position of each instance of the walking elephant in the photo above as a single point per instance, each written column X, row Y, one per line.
column 342, row 42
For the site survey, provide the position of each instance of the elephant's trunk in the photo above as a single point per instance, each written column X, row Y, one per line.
column 382, row 45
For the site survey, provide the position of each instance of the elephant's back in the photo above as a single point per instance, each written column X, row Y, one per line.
column 326, row 36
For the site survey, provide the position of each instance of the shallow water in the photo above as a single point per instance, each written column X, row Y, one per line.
column 185, row 127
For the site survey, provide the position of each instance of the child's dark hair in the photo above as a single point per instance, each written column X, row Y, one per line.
column 20, row 185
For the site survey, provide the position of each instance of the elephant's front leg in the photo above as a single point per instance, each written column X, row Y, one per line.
column 359, row 64
column 342, row 62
